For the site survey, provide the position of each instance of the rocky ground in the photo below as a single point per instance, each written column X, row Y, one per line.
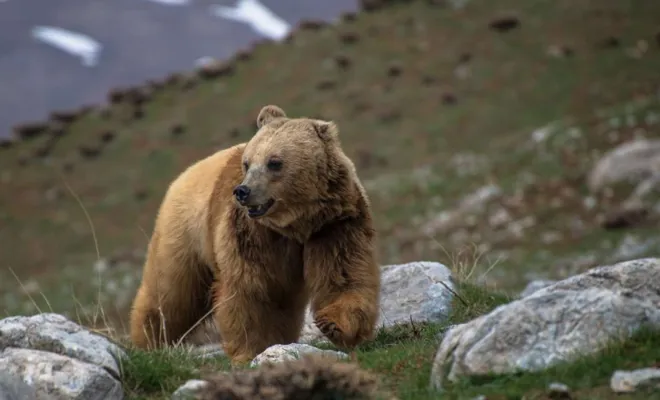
column 480, row 132
column 593, row 335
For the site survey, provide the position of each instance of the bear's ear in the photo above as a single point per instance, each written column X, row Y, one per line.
column 327, row 130
column 268, row 114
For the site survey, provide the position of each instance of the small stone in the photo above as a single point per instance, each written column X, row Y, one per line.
column 449, row 98
column 67, row 167
column 311, row 25
column 64, row 116
column 189, row 389
column 138, row 113
column 326, row 84
column 559, row 391
column 89, row 152
column 342, row 61
column 243, row 55
column 610, row 42
column 215, row 69
column 349, row 37
column 107, row 136
column 348, row 16
column 141, row 194
column 209, row 350
column 630, row 381
column 625, row 217
column 178, row 129
column 394, row 69
column 428, row 80
column 6, row 143
column 30, row 130
column 371, row 5
column 294, row 351
column 116, row 95
column 559, row 51
column 504, row 24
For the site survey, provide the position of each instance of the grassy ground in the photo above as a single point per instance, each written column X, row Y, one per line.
column 402, row 358
column 437, row 106
column 434, row 105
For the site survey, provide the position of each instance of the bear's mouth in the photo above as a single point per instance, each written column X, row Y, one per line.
column 260, row 210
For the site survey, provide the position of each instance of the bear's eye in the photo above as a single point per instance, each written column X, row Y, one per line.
column 274, row 165
column 246, row 166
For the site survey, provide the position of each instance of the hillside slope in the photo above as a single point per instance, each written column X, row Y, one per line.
column 434, row 103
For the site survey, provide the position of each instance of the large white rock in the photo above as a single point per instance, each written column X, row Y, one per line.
column 58, row 377
column 578, row 315
column 57, row 334
column 58, row 359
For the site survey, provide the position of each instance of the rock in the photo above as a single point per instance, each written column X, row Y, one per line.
column 633, row 161
column 633, row 246
column 625, row 217
column 559, row 391
column 190, row 389
column 58, row 377
column 210, row 350
column 533, row 286
column 474, row 203
column 630, row 381
column 294, row 351
column 56, row 334
column 576, row 316
column 13, row 388
column 504, row 24
column 418, row 292
column 60, row 359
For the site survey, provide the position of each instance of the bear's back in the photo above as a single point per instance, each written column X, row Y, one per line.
column 199, row 195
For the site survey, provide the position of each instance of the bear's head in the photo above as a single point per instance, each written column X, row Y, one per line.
column 292, row 167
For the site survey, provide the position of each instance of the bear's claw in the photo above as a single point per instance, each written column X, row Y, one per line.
column 328, row 328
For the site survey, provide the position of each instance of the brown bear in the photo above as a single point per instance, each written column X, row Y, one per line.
column 255, row 232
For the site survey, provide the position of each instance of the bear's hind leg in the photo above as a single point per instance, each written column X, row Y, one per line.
column 173, row 296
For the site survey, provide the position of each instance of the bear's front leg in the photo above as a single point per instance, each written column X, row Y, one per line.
column 250, row 320
column 344, row 281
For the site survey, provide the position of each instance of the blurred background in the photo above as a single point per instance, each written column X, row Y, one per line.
column 519, row 136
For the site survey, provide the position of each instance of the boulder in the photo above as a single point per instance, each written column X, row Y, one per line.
column 572, row 317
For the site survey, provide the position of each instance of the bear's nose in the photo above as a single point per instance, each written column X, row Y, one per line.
column 241, row 192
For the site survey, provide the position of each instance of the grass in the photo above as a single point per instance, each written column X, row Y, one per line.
column 402, row 353
column 433, row 105
column 402, row 356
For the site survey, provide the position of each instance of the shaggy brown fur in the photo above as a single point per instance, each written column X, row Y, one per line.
column 312, row 377
column 258, row 272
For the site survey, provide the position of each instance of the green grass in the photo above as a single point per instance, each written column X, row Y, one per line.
column 402, row 356
column 156, row 374
column 411, row 147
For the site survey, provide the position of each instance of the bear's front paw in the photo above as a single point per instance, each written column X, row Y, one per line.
column 328, row 328
column 335, row 324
